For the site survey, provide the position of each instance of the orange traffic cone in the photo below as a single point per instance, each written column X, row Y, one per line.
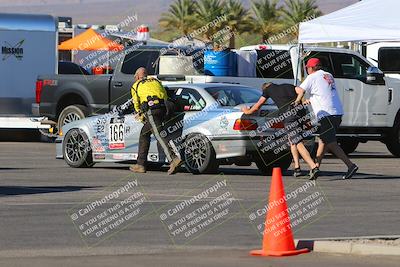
column 278, row 237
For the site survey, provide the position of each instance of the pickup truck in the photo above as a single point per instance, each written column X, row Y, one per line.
column 64, row 98
column 370, row 99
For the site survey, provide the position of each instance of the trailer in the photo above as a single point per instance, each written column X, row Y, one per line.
column 28, row 48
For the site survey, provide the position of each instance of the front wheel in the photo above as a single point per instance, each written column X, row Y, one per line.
column 266, row 162
column 199, row 155
column 393, row 140
column 76, row 149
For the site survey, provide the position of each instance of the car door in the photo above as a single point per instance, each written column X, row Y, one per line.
column 363, row 104
column 188, row 103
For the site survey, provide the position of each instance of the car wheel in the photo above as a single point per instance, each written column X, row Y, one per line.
column 349, row 145
column 76, row 149
column 70, row 114
column 266, row 162
column 199, row 155
column 393, row 141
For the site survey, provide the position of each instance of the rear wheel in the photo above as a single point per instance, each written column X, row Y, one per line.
column 76, row 149
column 70, row 114
column 266, row 162
column 199, row 155
column 348, row 144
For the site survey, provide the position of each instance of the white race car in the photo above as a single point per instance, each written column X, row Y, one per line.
column 207, row 130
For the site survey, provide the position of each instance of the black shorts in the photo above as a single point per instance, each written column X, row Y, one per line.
column 328, row 128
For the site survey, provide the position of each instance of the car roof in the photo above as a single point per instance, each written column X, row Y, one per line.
column 288, row 47
column 207, row 85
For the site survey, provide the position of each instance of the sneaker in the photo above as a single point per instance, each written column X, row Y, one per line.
column 314, row 173
column 350, row 172
column 173, row 166
column 297, row 172
column 137, row 168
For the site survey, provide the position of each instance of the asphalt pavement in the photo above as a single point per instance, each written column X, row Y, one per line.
column 39, row 197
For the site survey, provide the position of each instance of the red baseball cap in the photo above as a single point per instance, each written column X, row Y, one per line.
column 313, row 62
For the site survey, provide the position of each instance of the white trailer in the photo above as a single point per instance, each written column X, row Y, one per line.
column 28, row 48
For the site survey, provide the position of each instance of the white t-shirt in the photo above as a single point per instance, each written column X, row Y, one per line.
column 324, row 98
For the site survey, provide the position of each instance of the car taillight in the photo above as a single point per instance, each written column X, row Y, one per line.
column 245, row 125
column 39, row 87
column 278, row 125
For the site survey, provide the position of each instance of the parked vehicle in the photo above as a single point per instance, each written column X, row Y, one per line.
column 208, row 130
column 67, row 97
column 28, row 48
column 371, row 99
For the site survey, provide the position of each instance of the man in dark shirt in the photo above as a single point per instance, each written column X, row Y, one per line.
column 284, row 96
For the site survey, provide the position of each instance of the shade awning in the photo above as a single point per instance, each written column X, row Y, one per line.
column 90, row 40
column 365, row 21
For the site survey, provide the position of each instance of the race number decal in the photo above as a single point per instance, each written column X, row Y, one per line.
column 116, row 134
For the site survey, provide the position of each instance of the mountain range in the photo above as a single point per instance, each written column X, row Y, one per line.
column 115, row 11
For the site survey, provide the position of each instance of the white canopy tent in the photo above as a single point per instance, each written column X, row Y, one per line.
column 365, row 21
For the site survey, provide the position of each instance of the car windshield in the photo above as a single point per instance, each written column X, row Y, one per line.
column 233, row 96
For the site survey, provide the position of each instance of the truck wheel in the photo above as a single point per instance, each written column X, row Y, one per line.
column 349, row 145
column 76, row 149
column 393, row 140
column 70, row 114
column 199, row 155
column 266, row 162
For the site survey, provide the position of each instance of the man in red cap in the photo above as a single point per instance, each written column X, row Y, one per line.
column 328, row 109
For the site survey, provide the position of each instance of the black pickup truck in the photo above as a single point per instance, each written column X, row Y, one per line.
column 67, row 97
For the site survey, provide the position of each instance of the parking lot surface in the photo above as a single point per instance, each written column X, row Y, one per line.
column 39, row 195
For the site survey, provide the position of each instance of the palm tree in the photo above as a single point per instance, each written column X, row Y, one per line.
column 266, row 17
column 238, row 19
column 180, row 16
column 208, row 11
column 297, row 11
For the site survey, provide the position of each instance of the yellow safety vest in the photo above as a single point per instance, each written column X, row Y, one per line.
column 149, row 87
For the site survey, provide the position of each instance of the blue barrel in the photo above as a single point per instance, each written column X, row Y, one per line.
column 220, row 63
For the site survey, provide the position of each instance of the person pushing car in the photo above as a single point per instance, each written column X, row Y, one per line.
column 328, row 109
column 283, row 95
column 149, row 100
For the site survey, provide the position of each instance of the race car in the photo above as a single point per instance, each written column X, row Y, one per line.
column 207, row 130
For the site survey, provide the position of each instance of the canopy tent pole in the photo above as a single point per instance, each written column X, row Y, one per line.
column 299, row 49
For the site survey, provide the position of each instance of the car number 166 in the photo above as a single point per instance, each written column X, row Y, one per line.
column 116, row 131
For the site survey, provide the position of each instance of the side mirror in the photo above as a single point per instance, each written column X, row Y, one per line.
column 375, row 76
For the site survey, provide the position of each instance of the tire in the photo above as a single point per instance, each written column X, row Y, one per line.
column 70, row 114
column 348, row 144
column 266, row 162
column 77, row 151
column 199, row 155
column 393, row 140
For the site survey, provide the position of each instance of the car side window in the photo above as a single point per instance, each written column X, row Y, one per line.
column 188, row 99
column 388, row 59
column 349, row 66
column 325, row 60
column 136, row 59
column 274, row 64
